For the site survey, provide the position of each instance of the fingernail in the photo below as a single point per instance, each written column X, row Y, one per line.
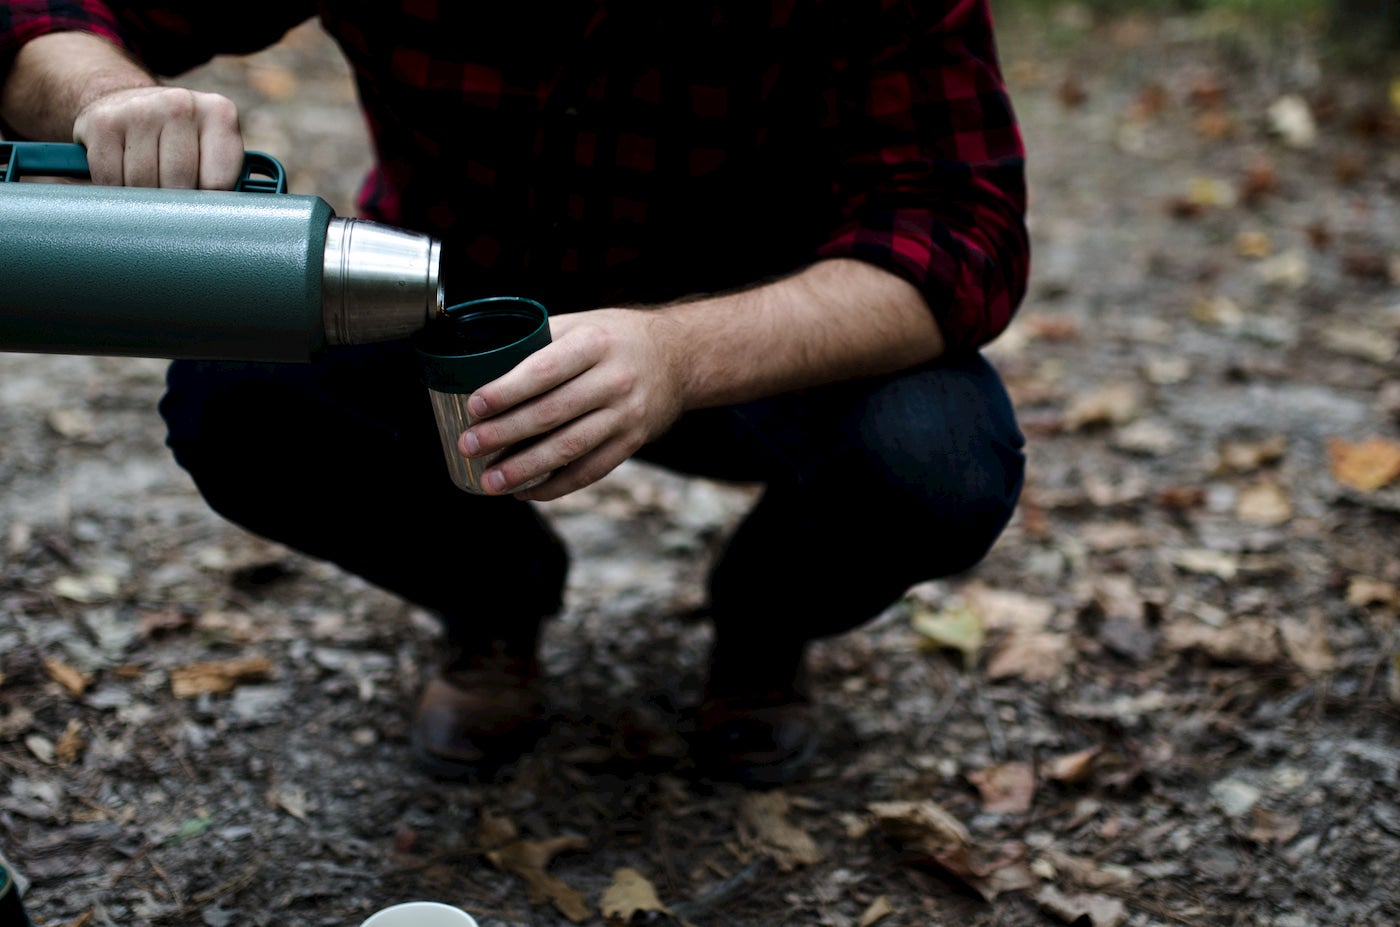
column 493, row 481
column 476, row 406
column 470, row 445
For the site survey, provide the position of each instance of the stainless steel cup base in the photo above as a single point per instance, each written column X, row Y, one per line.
column 465, row 348
column 450, row 410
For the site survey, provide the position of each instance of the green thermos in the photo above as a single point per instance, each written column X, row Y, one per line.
column 251, row 274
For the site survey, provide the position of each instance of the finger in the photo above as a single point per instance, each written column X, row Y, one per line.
column 105, row 160
column 220, row 142
column 552, row 365
column 576, row 442
column 106, row 146
column 540, row 415
column 141, row 159
column 585, row 471
column 178, row 158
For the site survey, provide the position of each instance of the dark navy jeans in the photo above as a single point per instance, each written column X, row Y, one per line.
column 869, row 488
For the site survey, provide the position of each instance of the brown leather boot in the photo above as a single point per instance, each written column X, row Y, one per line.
column 479, row 712
column 755, row 727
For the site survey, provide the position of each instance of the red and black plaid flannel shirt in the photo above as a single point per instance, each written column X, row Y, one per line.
column 598, row 152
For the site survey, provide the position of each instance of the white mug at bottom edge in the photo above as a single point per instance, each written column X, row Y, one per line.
column 420, row 914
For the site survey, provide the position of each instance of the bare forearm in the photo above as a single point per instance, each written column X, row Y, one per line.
column 836, row 320
column 56, row 75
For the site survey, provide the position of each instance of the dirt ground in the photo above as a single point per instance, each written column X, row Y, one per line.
column 1170, row 695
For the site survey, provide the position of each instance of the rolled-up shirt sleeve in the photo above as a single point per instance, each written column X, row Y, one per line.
column 931, row 163
column 168, row 38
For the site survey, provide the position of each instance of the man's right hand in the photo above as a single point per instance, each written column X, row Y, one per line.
column 79, row 87
column 161, row 137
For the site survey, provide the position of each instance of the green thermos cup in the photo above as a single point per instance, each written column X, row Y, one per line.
column 251, row 274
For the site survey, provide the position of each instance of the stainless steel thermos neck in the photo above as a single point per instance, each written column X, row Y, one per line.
column 251, row 274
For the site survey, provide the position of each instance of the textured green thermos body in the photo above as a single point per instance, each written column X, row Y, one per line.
column 87, row 269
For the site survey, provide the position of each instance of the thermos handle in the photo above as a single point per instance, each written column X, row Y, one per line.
column 261, row 173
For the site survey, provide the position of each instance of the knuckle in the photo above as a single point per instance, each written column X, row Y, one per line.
column 218, row 109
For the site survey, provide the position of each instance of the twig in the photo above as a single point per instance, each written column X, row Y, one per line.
column 165, row 877
column 716, row 895
column 996, row 737
column 243, row 878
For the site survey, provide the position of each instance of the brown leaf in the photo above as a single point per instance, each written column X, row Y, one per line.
column 218, row 676
column 1248, row 456
column 1263, row 503
column 1035, row 656
column 1306, row 644
column 1113, row 404
column 70, row 745
column 1006, row 788
column 878, row 910
column 493, row 831
column 1254, row 244
column 528, row 859
column 1260, row 180
column 155, row 623
column 1366, row 590
column 1269, row 827
column 1072, row 768
column 630, row 893
column 1085, row 872
column 942, row 841
column 764, row 828
column 1364, row 465
column 1249, row 641
column 74, row 681
column 1096, row 910
column 1007, row 609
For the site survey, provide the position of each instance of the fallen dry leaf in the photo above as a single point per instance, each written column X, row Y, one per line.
column 1306, row 644
column 291, row 799
column 70, row 745
column 15, row 720
column 630, row 893
column 1372, row 345
column 528, row 860
column 1096, row 910
column 1263, row 503
column 1247, row 456
column 1249, row 641
column 1085, row 872
column 1006, row 788
column 1113, row 404
column 878, row 910
column 1205, row 562
column 764, row 828
column 494, row 831
column 89, row 589
column 951, row 628
column 1035, row 656
column 1270, row 827
column 1253, row 244
column 1364, row 465
column 217, row 676
column 1007, row 610
column 74, row 681
column 940, row 839
column 1072, row 768
column 1367, row 590
column 1291, row 118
